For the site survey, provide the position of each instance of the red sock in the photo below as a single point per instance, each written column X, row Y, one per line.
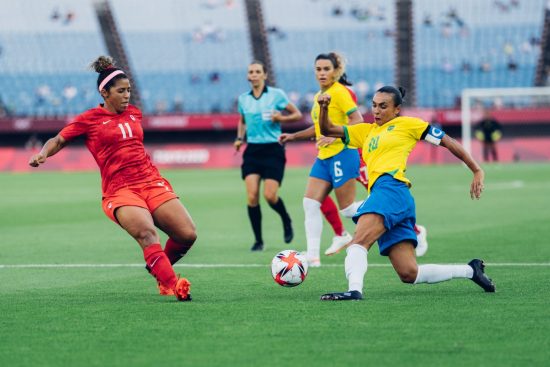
column 175, row 251
column 159, row 265
column 330, row 211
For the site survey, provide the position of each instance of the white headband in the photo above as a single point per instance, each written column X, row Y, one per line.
column 108, row 78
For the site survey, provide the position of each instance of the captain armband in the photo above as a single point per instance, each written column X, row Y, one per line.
column 434, row 135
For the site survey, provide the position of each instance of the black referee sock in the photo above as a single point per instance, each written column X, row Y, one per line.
column 280, row 208
column 255, row 215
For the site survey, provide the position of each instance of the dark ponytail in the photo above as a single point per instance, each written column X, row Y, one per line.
column 344, row 80
column 398, row 93
column 403, row 92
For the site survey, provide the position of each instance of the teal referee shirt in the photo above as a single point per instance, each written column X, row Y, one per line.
column 257, row 114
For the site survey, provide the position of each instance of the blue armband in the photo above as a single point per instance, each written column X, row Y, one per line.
column 434, row 135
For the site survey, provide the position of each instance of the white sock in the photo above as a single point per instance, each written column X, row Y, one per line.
column 349, row 211
column 314, row 227
column 431, row 273
column 356, row 266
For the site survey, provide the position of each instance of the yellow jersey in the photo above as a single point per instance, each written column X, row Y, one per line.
column 387, row 147
column 340, row 107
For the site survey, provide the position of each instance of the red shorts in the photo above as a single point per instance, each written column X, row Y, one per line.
column 148, row 195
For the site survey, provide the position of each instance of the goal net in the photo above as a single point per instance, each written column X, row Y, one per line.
column 522, row 113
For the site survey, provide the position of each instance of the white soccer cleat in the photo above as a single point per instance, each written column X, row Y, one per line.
column 421, row 237
column 338, row 243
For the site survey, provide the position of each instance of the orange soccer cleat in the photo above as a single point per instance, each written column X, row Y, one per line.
column 181, row 290
column 165, row 291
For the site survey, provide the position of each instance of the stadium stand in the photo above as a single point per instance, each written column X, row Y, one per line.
column 361, row 31
column 44, row 52
column 474, row 44
column 192, row 56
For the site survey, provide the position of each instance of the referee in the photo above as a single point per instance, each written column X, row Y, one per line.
column 264, row 158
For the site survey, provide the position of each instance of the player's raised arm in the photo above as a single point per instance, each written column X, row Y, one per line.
column 476, row 187
column 327, row 127
column 51, row 147
column 305, row 134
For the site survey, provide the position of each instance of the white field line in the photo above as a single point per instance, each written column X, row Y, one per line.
column 83, row 266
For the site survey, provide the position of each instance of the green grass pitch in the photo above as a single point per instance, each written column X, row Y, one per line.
column 113, row 316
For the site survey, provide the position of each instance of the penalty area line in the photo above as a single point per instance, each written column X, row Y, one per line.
column 84, row 266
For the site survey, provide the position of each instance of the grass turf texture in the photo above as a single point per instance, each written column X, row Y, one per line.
column 239, row 316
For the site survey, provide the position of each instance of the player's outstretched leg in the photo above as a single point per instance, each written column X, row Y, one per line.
column 474, row 270
column 479, row 277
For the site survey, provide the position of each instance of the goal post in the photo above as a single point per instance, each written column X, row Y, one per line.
column 473, row 100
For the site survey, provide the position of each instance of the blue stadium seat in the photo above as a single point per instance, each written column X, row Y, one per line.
column 52, row 53
column 195, row 53
column 192, row 51
column 451, row 33
column 361, row 32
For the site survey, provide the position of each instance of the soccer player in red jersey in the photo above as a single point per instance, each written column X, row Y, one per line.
column 135, row 195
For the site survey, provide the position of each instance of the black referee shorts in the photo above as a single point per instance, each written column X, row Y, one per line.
column 267, row 160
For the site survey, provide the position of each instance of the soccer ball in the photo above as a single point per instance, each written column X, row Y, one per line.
column 289, row 268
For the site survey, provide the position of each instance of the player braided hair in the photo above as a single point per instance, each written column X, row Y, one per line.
column 105, row 66
column 339, row 63
column 398, row 93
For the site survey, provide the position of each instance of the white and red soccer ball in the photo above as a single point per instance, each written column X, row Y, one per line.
column 289, row 268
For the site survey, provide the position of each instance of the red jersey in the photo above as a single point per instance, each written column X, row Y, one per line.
column 116, row 142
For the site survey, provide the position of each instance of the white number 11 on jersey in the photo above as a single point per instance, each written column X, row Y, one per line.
column 121, row 127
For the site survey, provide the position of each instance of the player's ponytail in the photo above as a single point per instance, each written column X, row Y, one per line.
column 403, row 92
column 108, row 73
column 397, row 93
column 344, row 80
column 102, row 63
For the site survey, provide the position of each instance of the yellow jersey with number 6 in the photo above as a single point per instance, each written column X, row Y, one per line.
column 341, row 106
